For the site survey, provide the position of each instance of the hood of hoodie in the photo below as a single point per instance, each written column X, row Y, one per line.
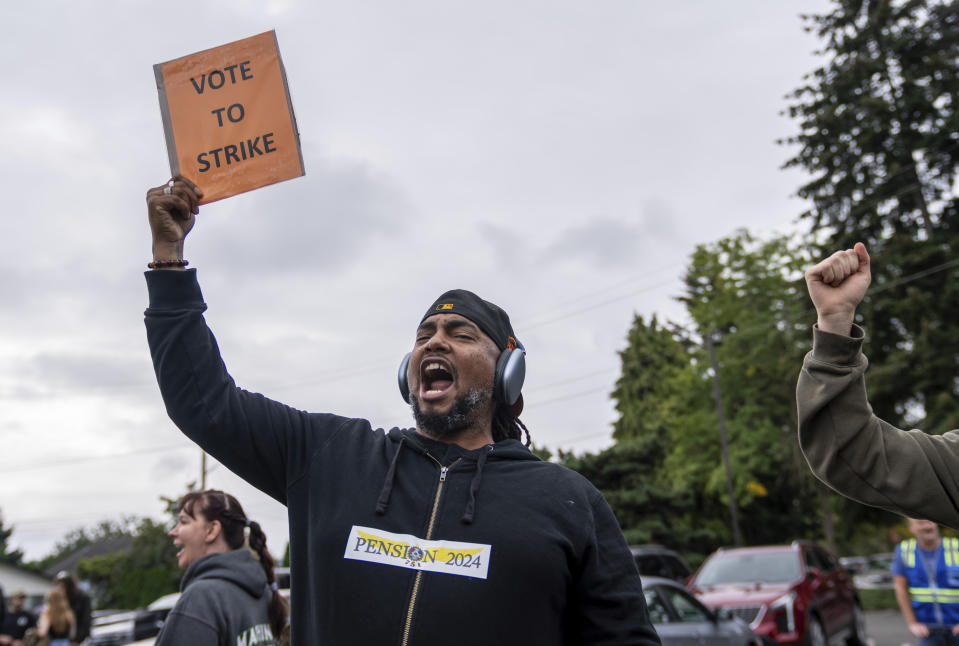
column 238, row 567
column 502, row 450
column 446, row 453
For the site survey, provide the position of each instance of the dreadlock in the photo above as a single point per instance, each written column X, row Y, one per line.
column 507, row 426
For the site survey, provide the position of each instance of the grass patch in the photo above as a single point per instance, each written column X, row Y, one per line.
column 878, row 598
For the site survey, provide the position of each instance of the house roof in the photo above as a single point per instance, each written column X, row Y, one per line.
column 16, row 578
column 99, row 548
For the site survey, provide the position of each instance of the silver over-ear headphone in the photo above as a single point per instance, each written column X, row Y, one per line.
column 507, row 381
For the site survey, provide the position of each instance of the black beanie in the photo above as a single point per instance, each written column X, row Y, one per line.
column 491, row 319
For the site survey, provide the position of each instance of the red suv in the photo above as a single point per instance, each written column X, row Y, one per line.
column 788, row 594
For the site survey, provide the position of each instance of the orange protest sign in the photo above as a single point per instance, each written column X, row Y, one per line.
column 228, row 118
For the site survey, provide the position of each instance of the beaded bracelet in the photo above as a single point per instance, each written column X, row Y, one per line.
column 163, row 264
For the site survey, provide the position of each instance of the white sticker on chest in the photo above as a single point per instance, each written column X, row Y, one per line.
column 407, row 551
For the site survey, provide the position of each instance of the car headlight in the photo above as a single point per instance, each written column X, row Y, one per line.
column 787, row 603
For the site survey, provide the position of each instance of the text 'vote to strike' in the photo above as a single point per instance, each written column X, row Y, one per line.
column 244, row 149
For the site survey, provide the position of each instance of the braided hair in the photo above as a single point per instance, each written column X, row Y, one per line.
column 507, row 426
column 239, row 532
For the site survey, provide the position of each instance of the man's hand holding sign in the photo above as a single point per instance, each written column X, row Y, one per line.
column 228, row 119
column 172, row 210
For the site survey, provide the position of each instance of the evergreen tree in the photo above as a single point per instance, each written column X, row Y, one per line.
column 647, row 509
column 652, row 358
column 878, row 121
column 7, row 553
column 879, row 133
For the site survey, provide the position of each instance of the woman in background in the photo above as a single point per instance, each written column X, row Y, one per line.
column 229, row 592
column 79, row 603
column 57, row 621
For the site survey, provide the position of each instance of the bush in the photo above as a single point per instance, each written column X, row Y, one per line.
column 878, row 598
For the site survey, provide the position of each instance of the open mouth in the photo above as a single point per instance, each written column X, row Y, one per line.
column 437, row 378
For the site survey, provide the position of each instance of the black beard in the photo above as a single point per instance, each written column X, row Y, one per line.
column 461, row 416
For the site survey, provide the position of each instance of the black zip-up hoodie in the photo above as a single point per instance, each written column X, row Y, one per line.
column 224, row 602
column 396, row 538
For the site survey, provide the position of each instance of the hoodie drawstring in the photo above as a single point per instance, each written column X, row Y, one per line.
column 474, row 487
column 384, row 499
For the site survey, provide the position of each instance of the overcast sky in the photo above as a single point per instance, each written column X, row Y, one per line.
column 562, row 158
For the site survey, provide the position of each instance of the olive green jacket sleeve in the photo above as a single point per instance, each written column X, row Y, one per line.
column 862, row 456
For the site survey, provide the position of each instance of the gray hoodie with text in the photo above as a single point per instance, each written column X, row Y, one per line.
column 224, row 602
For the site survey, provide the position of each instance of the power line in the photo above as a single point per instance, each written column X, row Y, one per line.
column 584, row 393
column 549, row 318
column 872, row 291
column 92, row 458
column 583, row 438
column 592, row 307
column 563, row 382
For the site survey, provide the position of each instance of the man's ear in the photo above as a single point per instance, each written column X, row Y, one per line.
column 213, row 531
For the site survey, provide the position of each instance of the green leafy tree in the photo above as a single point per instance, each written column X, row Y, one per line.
column 746, row 295
column 878, row 130
column 134, row 578
column 130, row 578
column 665, row 478
column 648, row 509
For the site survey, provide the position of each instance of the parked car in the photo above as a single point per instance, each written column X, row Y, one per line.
column 681, row 620
column 113, row 628
column 656, row 560
column 122, row 628
column 788, row 594
column 854, row 564
column 877, row 573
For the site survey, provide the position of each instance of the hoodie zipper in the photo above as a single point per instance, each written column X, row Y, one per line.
column 429, row 536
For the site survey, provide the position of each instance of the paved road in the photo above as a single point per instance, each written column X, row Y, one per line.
column 886, row 628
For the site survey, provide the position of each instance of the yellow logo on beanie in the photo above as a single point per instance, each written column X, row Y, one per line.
column 444, row 306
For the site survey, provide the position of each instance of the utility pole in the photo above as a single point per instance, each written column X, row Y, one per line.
column 202, row 470
column 717, row 394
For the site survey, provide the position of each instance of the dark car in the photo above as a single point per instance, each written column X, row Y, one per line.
column 789, row 594
column 656, row 560
column 681, row 620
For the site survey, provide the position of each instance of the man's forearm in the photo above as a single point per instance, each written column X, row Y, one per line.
column 902, row 598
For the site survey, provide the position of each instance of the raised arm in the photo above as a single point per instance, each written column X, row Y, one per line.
column 265, row 442
column 845, row 444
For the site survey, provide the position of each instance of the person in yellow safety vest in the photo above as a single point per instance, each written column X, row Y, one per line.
column 926, row 576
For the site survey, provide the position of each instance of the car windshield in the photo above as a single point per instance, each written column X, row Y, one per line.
column 768, row 567
column 165, row 602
